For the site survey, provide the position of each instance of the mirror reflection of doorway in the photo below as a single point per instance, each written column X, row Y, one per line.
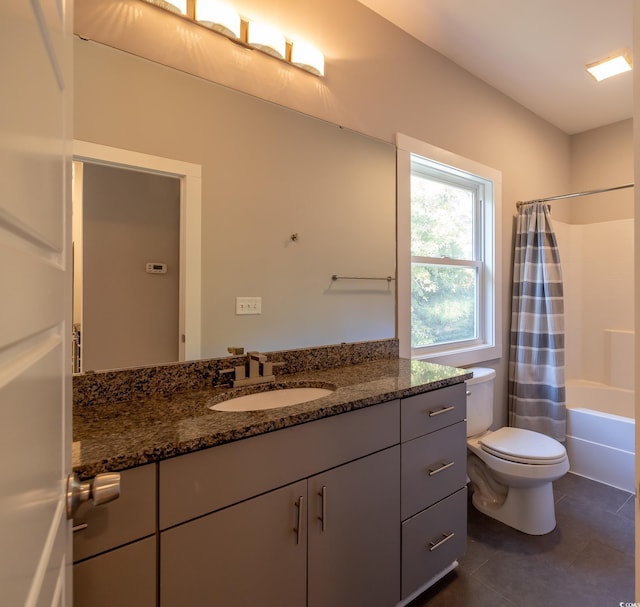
column 126, row 267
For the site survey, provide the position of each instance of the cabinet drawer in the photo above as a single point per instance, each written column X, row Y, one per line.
column 431, row 411
column 125, row 577
column 130, row 517
column 202, row 482
column 433, row 466
column 432, row 540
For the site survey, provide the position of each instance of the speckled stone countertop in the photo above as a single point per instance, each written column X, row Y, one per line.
column 113, row 437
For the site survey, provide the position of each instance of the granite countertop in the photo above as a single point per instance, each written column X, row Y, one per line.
column 112, row 437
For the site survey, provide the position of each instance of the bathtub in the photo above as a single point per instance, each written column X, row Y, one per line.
column 601, row 433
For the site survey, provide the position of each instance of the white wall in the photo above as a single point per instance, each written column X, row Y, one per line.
column 598, row 273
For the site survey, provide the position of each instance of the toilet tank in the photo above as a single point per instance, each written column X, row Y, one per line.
column 480, row 400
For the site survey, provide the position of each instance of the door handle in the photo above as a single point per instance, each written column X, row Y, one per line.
column 101, row 489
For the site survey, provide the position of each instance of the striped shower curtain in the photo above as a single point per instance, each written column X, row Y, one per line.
column 536, row 353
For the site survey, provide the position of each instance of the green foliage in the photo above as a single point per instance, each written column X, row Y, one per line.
column 442, row 304
column 441, row 220
column 443, row 297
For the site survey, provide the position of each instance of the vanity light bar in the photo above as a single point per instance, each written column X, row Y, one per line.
column 174, row 6
column 218, row 16
column 267, row 39
column 223, row 19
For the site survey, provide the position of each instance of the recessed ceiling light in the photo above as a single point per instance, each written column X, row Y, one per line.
column 613, row 65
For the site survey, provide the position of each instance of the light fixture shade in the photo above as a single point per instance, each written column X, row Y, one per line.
column 175, row 6
column 308, row 58
column 267, row 38
column 613, row 65
column 219, row 17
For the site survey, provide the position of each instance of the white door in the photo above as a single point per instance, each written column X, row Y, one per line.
column 35, row 305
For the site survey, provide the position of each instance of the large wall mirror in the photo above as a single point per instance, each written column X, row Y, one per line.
column 287, row 201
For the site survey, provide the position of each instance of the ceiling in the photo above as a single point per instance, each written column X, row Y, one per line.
column 533, row 51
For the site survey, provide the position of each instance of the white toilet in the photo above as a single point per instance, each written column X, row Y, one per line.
column 510, row 469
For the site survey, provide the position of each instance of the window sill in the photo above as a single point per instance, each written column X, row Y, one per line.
column 462, row 357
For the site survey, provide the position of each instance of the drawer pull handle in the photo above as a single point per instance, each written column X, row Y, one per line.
column 442, row 468
column 80, row 527
column 298, row 529
column 445, row 538
column 441, row 411
column 323, row 518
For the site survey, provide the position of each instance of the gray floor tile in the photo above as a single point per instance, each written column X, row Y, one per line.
column 588, row 560
column 628, row 510
column 605, row 573
column 460, row 589
column 528, row 579
column 579, row 518
column 595, row 494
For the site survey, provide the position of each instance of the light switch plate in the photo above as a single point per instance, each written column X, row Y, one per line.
column 248, row 305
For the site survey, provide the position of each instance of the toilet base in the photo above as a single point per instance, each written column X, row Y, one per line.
column 529, row 509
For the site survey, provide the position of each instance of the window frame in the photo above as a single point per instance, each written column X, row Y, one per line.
column 488, row 343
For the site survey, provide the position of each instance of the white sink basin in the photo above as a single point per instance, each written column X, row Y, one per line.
column 271, row 399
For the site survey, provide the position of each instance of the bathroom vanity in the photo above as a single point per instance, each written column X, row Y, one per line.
column 355, row 498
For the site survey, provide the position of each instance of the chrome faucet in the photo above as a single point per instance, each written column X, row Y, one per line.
column 256, row 370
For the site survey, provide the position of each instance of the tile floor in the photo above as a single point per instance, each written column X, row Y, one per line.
column 587, row 561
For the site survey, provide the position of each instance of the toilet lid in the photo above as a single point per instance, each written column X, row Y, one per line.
column 523, row 446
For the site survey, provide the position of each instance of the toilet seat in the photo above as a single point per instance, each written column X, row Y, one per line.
column 523, row 446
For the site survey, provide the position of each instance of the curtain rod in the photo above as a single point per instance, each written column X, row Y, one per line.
column 618, row 187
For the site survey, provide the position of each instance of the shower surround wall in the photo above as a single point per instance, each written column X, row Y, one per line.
column 598, row 274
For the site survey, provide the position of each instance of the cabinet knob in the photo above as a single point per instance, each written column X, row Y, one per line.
column 101, row 489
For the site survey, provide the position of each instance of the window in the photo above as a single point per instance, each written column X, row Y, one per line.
column 448, row 256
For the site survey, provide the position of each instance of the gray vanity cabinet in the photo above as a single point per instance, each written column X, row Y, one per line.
column 255, row 553
column 434, row 474
column 114, row 546
column 261, row 542
column 360, row 508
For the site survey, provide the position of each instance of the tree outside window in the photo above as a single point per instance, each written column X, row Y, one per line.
column 446, row 258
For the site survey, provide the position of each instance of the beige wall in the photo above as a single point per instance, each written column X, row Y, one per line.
column 600, row 158
column 378, row 81
column 129, row 317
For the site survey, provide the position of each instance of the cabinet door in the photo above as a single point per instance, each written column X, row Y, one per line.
column 125, row 577
column 354, row 540
column 250, row 554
